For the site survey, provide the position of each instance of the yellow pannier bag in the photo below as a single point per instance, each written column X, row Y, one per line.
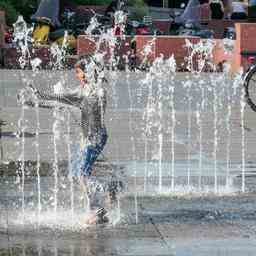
column 40, row 33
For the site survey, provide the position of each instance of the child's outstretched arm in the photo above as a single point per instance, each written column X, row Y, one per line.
column 42, row 104
column 73, row 99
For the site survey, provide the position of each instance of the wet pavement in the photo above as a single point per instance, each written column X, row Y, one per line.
column 223, row 225
column 182, row 220
column 165, row 226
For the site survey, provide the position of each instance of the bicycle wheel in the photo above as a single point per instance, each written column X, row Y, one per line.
column 250, row 87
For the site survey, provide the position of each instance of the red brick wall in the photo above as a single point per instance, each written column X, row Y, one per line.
column 165, row 45
column 168, row 45
column 245, row 41
column 173, row 45
column 11, row 57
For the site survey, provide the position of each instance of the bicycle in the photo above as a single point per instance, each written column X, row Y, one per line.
column 250, row 80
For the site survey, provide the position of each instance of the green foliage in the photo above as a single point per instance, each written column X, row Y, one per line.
column 139, row 9
column 13, row 8
column 136, row 3
column 25, row 7
column 10, row 12
column 91, row 2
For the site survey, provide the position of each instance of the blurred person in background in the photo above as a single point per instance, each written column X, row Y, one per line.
column 239, row 10
column 217, row 9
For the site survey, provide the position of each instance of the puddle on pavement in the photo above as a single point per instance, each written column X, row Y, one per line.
column 127, row 247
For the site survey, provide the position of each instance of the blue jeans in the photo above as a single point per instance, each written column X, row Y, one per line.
column 83, row 161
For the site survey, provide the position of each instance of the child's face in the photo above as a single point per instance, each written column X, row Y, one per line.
column 80, row 75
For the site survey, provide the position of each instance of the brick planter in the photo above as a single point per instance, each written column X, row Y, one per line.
column 165, row 46
column 162, row 45
column 11, row 58
column 245, row 41
column 87, row 45
column 12, row 55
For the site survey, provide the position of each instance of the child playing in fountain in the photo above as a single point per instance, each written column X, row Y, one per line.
column 90, row 98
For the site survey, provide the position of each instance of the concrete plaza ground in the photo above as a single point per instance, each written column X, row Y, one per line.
column 180, row 222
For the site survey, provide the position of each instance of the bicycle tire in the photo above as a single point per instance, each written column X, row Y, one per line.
column 247, row 79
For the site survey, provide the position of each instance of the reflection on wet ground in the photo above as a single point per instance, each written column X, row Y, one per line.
column 163, row 225
column 129, row 247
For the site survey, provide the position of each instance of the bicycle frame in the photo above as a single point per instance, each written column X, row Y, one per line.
column 251, row 57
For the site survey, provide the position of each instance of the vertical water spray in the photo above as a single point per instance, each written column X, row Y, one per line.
column 133, row 145
column 56, row 131
column 204, row 53
column 199, row 125
column 190, row 66
column 55, row 163
column 160, row 135
column 228, row 48
column 236, row 86
column 158, row 69
column 21, row 134
column 70, row 169
column 171, row 69
column 199, row 112
column 243, row 104
column 39, row 206
column 228, row 128
column 172, row 136
column 22, row 37
column 35, row 64
column 199, row 58
column 188, row 85
column 203, row 103
column 58, row 54
column 215, row 127
column 147, row 119
column 149, row 111
column 189, row 121
column 146, row 160
column 135, row 182
column 118, row 209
